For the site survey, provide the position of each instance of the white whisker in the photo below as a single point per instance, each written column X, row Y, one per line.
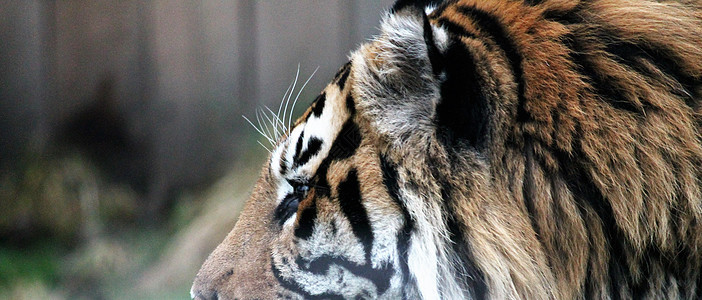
column 254, row 126
column 263, row 128
column 272, row 127
column 291, row 92
column 258, row 121
column 277, row 115
column 298, row 96
column 277, row 121
column 269, row 122
column 284, row 96
column 264, row 147
column 272, row 122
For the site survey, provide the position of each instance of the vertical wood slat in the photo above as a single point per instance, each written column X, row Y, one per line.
column 183, row 72
column 23, row 84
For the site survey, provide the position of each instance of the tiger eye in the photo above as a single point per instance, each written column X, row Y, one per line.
column 302, row 189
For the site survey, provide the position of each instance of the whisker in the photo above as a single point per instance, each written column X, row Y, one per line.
column 273, row 126
column 258, row 121
column 298, row 96
column 277, row 115
column 277, row 121
column 270, row 121
column 292, row 91
column 284, row 96
column 254, row 126
column 264, row 147
column 265, row 129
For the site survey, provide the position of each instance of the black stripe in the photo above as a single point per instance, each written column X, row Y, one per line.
column 343, row 147
column 313, row 147
column 651, row 259
column 440, row 8
column 319, row 104
column 435, row 58
column 349, row 192
column 350, row 104
column 320, row 266
column 490, row 25
column 454, row 29
column 586, row 193
column 568, row 17
column 463, row 110
column 603, row 85
column 294, row 287
column 320, row 183
column 306, row 220
column 627, row 53
column 308, row 216
column 343, row 74
column 528, row 188
column 533, row 2
column 390, row 180
column 473, row 278
column 346, row 142
column 298, row 145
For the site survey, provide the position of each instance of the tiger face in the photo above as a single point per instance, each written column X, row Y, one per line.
column 327, row 212
column 327, row 215
column 487, row 149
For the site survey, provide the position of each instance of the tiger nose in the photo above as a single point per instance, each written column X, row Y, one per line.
column 216, row 278
column 239, row 268
column 205, row 288
column 202, row 292
column 198, row 292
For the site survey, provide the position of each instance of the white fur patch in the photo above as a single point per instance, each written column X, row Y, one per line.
column 429, row 9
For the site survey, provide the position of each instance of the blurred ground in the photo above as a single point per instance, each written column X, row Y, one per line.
column 94, row 248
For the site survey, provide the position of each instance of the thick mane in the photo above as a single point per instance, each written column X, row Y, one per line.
column 590, row 154
column 607, row 137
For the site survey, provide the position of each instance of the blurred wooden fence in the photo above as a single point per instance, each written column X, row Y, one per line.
column 177, row 75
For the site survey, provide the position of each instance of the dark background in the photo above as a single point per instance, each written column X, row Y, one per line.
column 124, row 158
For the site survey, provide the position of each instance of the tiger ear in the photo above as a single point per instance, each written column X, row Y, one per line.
column 421, row 4
column 399, row 75
column 417, row 82
column 419, row 9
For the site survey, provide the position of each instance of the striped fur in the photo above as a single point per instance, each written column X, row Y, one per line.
column 542, row 149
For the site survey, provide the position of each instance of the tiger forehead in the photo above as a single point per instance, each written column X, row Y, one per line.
column 339, row 82
column 314, row 132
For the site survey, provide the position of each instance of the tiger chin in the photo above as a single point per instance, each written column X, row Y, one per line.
column 497, row 149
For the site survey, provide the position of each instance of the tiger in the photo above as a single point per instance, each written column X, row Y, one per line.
column 488, row 149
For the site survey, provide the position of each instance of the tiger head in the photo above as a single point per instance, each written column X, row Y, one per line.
column 440, row 161
column 327, row 217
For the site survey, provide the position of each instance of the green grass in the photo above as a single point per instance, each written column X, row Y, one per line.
column 36, row 263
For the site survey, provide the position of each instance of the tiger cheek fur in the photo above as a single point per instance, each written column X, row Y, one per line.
column 350, row 251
